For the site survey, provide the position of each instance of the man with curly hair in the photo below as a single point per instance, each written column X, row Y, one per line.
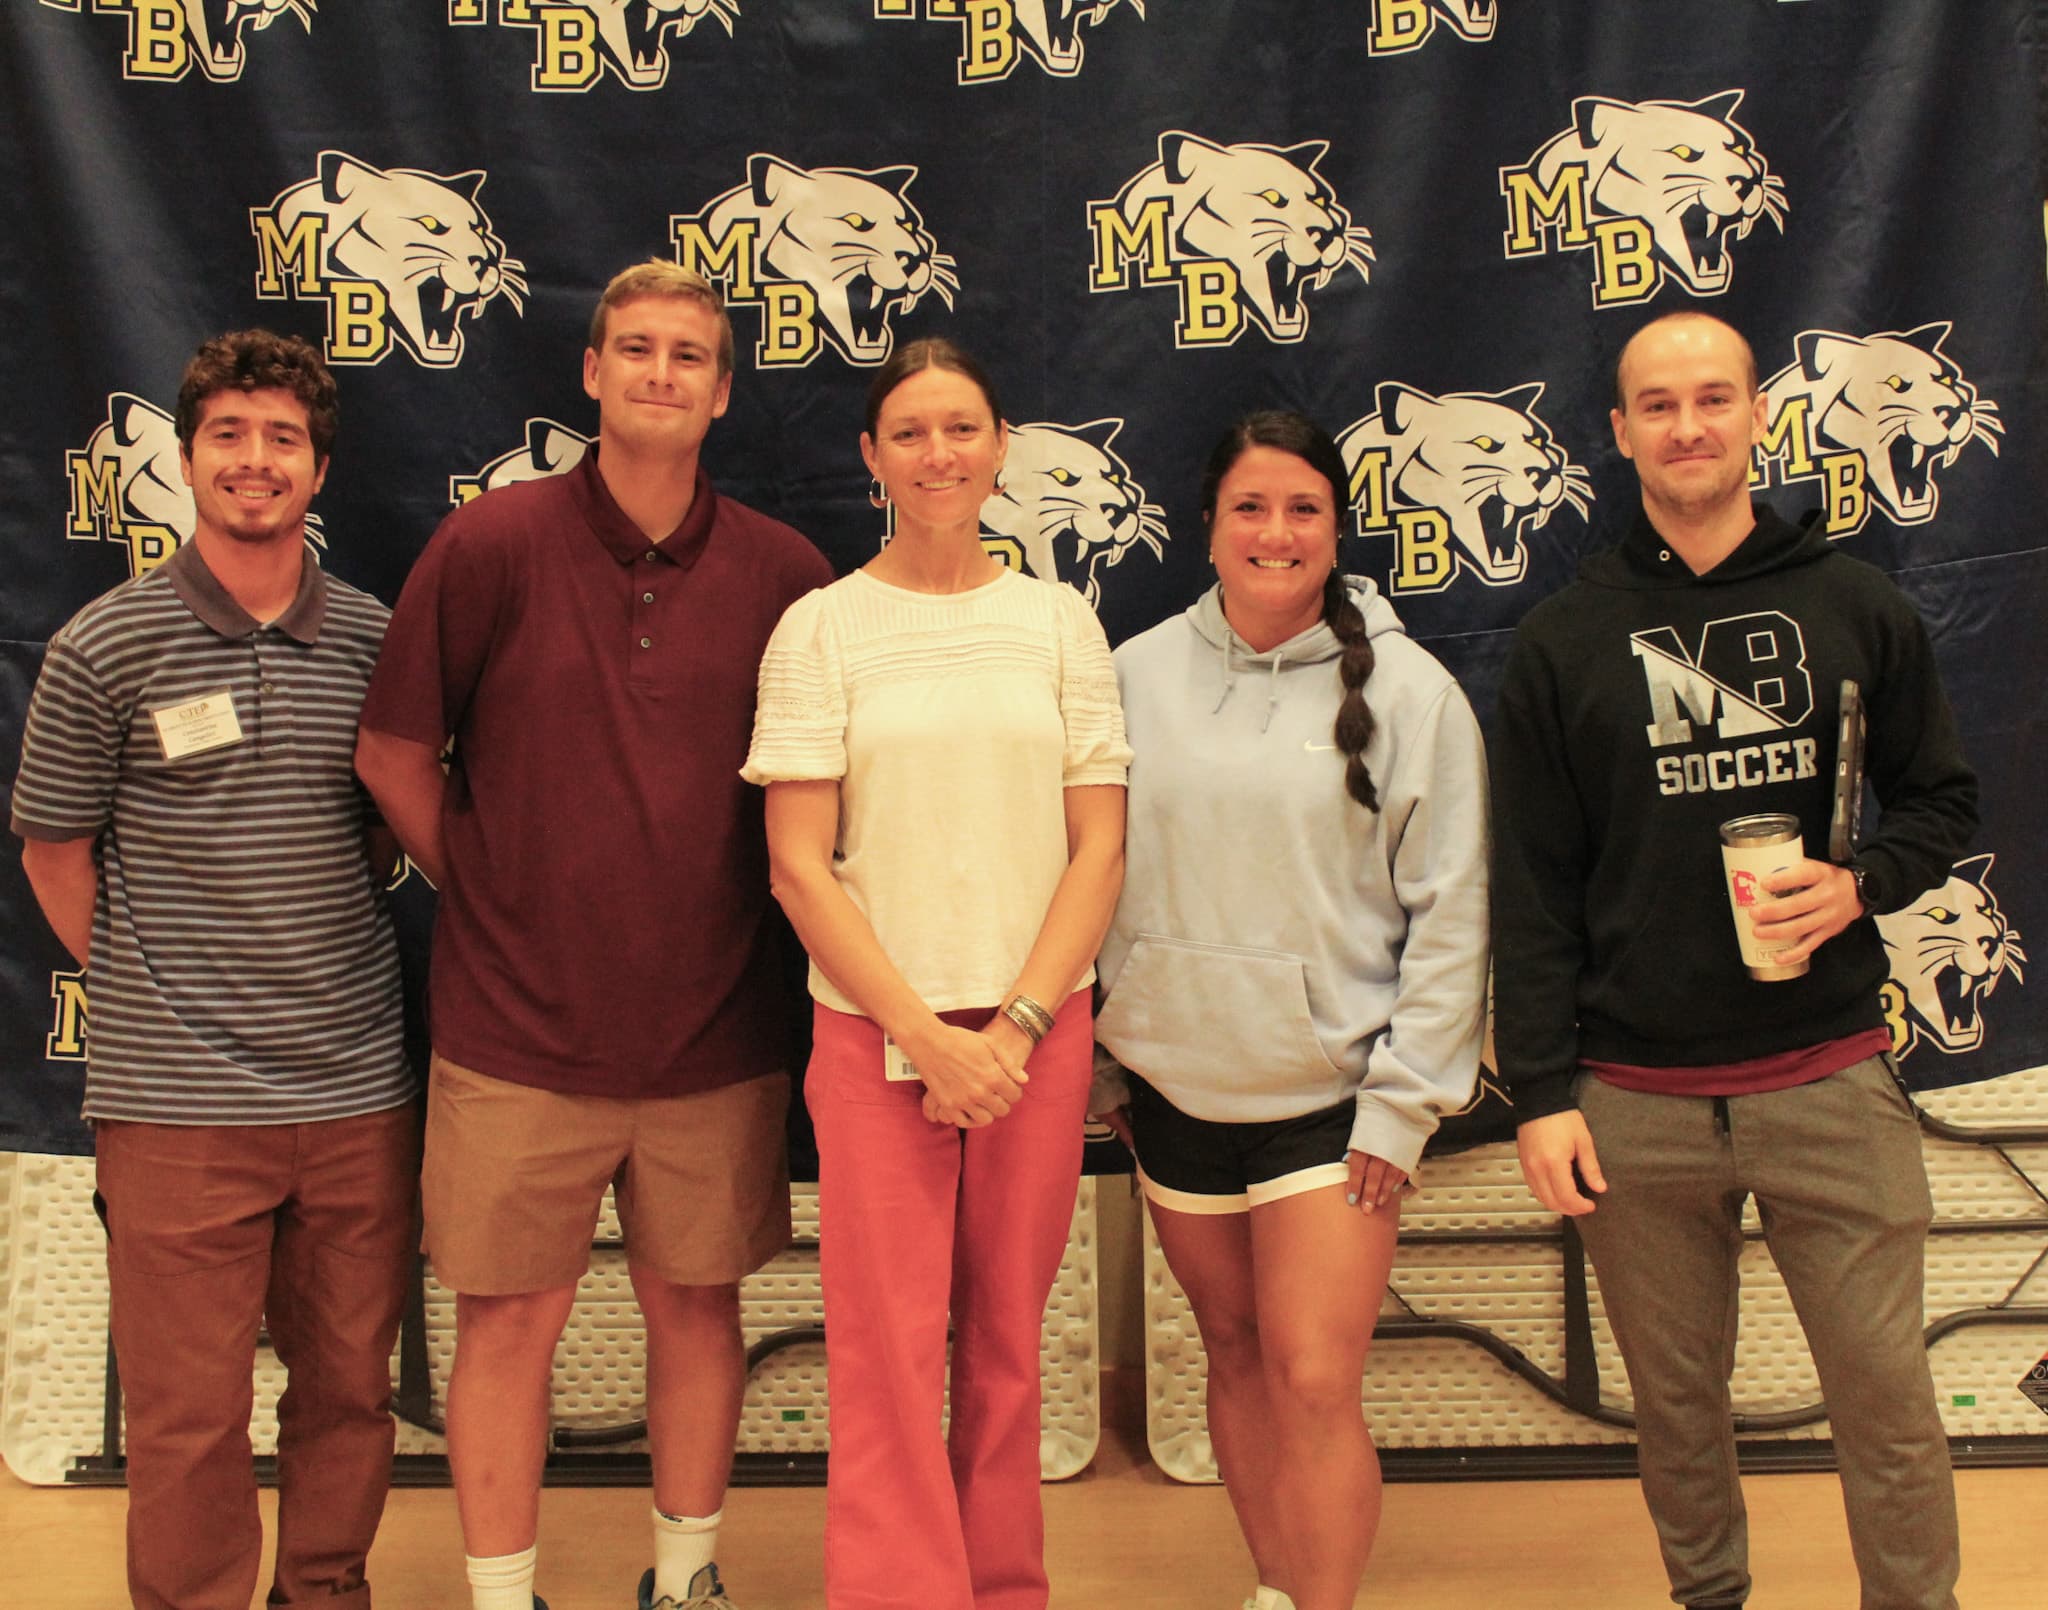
column 195, row 834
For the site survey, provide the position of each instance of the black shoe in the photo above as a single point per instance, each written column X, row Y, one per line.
column 706, row 1592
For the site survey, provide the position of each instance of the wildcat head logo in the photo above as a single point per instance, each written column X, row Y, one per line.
column 1398, row 26
column 1460, row 482
column 549, row 449
column 577, row 42
column 996, row 34
column 1948, row 950
column 1246, row 231
column 126, row 486
column 398, row 256
column 1067, row 508
column 168, row 38
column 1659, row 189
column 1872, row 417
column 827, row 254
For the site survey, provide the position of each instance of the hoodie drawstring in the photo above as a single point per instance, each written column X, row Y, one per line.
column 1230, row 683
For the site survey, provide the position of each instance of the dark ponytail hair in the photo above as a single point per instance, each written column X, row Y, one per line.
column 928, row 352
column 1289, row 432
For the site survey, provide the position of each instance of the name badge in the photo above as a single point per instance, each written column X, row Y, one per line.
column 896, row 1067
column 197, row 725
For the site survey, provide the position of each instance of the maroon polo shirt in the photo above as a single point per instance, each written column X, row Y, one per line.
column 603, row 929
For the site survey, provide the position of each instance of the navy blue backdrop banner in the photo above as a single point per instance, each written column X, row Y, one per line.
column 1429, row 223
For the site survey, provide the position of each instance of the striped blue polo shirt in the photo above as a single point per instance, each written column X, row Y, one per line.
column 243, row 967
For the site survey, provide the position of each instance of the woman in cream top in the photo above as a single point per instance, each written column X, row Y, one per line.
column 944, row 755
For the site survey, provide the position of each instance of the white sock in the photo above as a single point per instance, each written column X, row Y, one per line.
column 1271, row 1599
column 683, row 1546
column 501, row 1581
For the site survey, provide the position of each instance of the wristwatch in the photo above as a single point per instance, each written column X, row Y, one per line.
column 1866, row 886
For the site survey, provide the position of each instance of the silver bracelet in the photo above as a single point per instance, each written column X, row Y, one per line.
column 1029, row 1016
column 1037, row 1012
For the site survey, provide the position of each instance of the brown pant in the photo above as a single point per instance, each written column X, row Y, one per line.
column 211, row 1229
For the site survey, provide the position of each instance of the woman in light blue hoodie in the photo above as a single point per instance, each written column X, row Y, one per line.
column 1294, row 984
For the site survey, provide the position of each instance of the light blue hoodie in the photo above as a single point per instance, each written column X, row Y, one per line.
column 1278, row 948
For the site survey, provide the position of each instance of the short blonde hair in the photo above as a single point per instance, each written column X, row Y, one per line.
column 658, row 277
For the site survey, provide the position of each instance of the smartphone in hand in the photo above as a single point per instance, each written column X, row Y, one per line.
column 1845, row 824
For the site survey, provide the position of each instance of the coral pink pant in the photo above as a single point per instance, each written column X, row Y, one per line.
column 918, row 1218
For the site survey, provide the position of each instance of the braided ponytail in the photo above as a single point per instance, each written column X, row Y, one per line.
column 1355, row 723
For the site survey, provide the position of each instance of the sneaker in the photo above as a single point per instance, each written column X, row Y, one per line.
column 706, row 1592
column 539, row 1603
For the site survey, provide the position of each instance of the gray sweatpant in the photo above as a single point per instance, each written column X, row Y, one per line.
column 1841, row 1188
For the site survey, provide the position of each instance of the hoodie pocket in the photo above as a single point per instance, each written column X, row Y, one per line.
column 1215, row 1020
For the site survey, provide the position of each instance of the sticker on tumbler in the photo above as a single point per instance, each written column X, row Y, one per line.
column 1752, row 848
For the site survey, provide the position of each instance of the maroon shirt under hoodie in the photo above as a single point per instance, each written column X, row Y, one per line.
column 604, row 927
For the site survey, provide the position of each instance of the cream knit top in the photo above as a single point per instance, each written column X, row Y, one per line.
column 953, row 723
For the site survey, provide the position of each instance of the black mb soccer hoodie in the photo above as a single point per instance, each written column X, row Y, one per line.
column 1640, row 708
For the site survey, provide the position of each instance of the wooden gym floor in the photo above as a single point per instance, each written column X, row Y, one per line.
column 1120, row 1535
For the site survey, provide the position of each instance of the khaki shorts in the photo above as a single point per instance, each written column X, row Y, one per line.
column 514, row 1178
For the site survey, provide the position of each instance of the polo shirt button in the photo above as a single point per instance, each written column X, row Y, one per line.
column 266, row 687
column 1665, row 556
column 650, row 556
column 647, row 642
column 647, row 598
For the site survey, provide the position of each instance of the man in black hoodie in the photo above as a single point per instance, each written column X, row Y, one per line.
column 1690, row 676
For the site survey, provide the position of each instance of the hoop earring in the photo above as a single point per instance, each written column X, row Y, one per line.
column 877, row 494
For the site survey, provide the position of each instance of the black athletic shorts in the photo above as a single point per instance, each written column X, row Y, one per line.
column 1195, row 1166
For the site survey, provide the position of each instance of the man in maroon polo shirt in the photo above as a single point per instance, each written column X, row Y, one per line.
column 606, row 1001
